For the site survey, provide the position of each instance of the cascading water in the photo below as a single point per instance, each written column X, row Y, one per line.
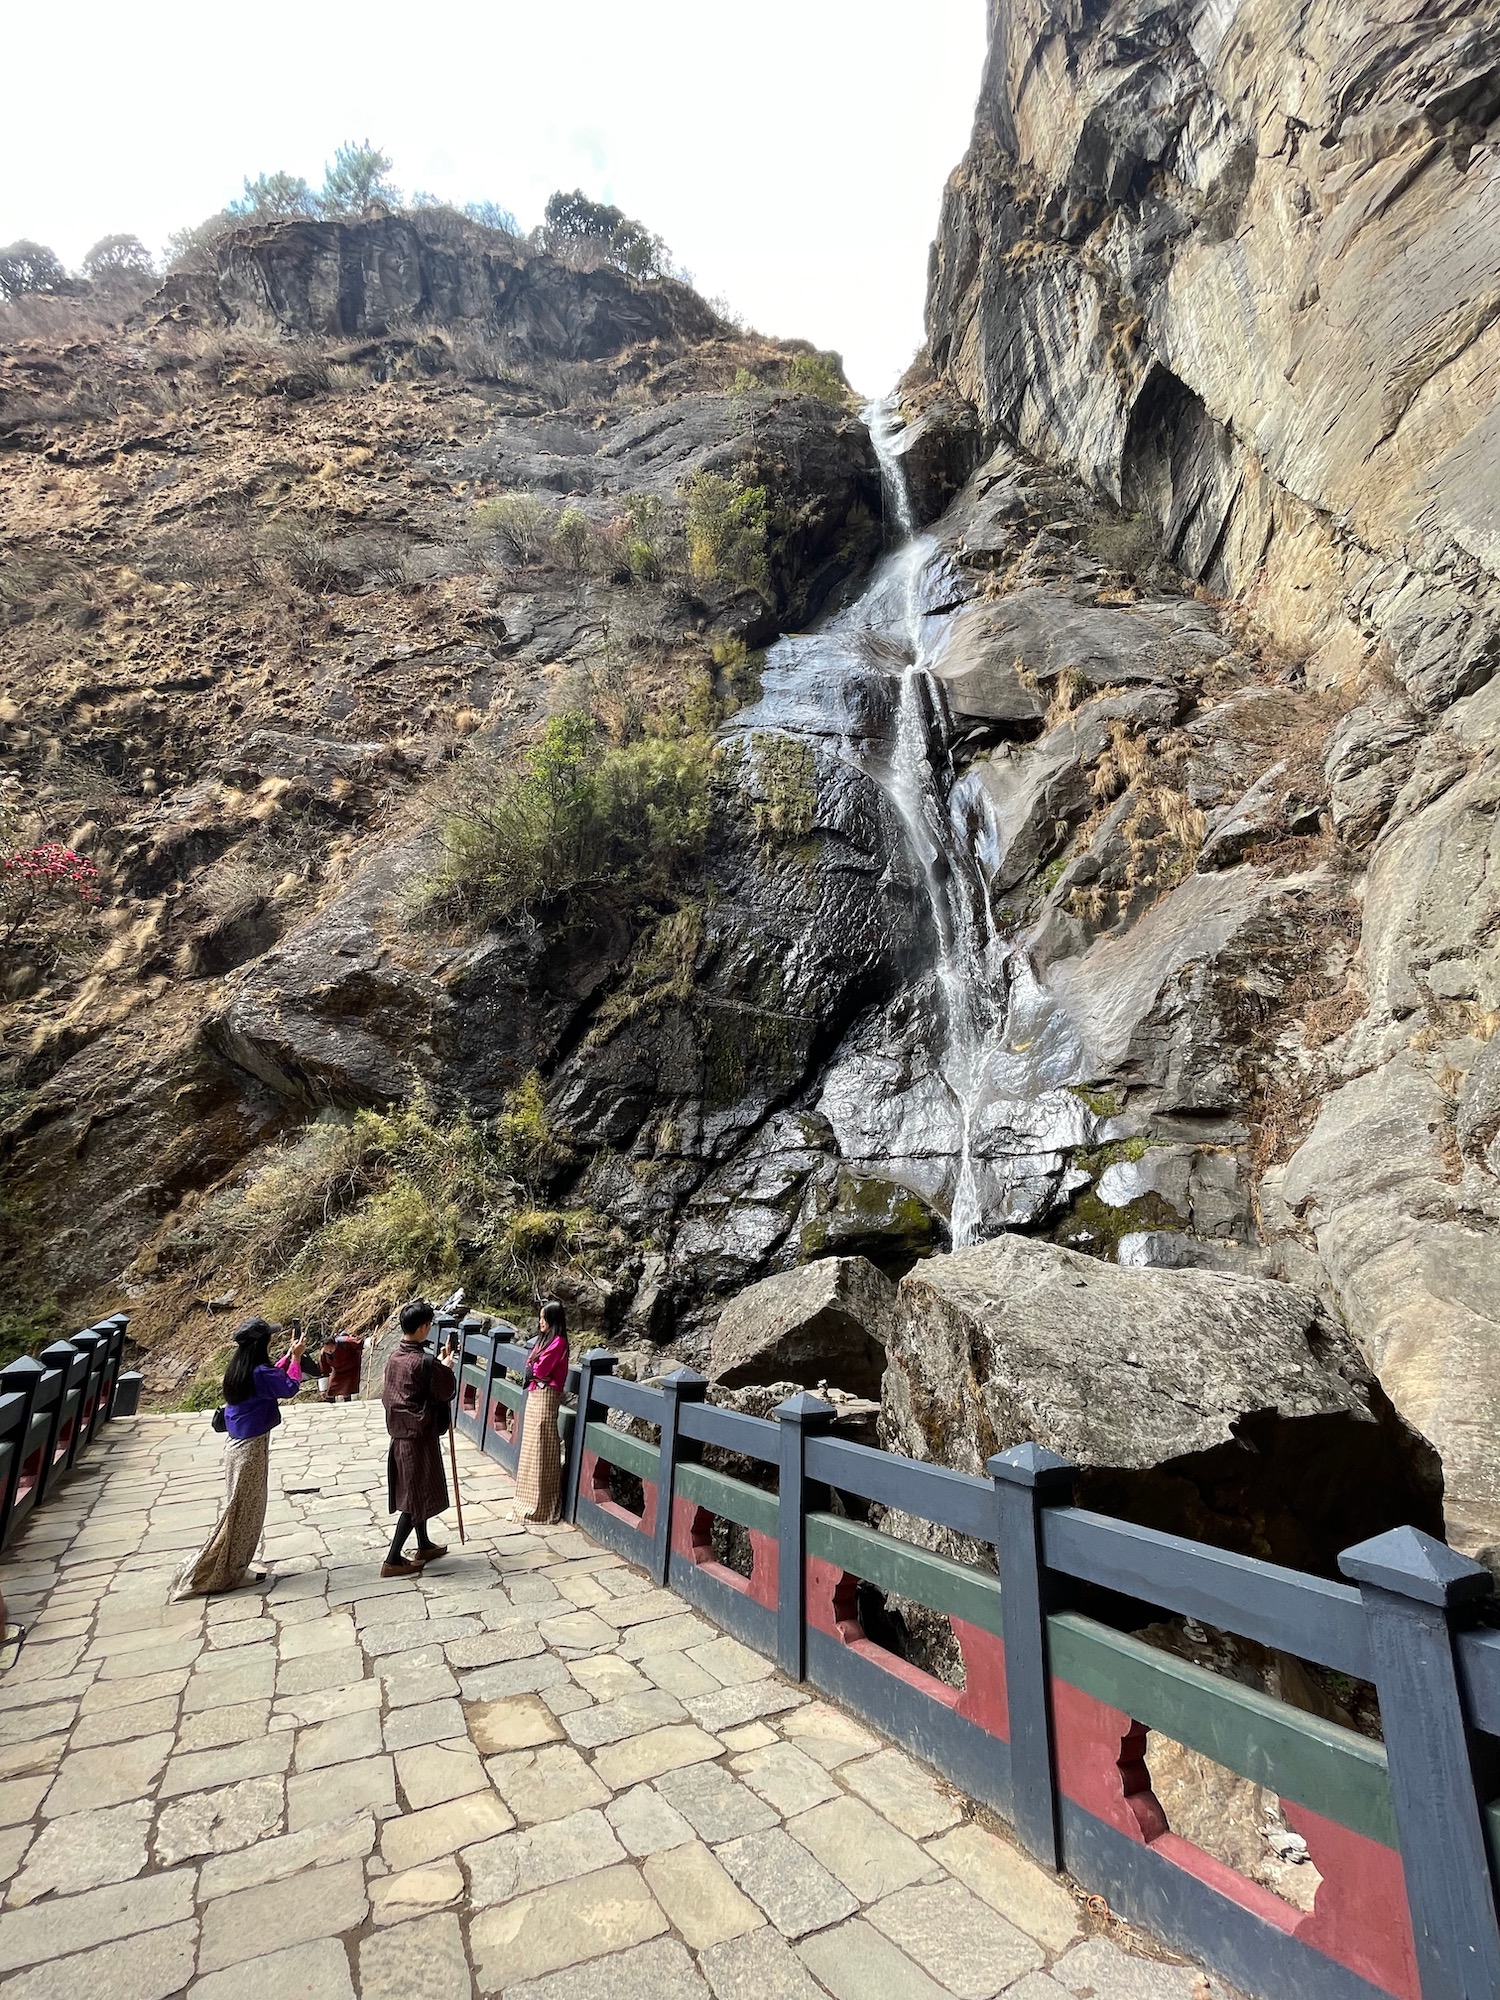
column 970, row 962
column 957, row 1087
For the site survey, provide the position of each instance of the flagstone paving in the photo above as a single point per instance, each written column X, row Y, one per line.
column 528, row 1774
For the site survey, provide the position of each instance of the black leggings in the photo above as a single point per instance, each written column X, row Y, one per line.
column 404, row 1526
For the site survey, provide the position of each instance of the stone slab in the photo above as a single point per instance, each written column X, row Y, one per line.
column 568, row 1924
column 350, row 1839
column 315, row 1971
column 519, row 1722
column 868, row 1856
column 856, row 1963
column 902, row 1792
column 415, row 1838
column 964, row 1944
column 546, row 1783
column 553, row 1851
column 645, row 1823
column 702, row 1902
column 422, row 1960
column 652, row 1755
column 797, row 1893
column 85, row 1850
column 1010, row 1882
column 149, row 1967
column 308, row 1906
column 762, row 1966
column 659, row 1971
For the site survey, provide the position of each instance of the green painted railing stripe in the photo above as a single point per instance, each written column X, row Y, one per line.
column 623, row 1450
column 509, row 1393
column 936, row 1581
column 730, row 1498
column 1331, row 1770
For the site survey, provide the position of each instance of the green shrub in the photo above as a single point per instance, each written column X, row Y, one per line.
column 644, row 535
column 787, row 809
column 573, row 538
column 520, row 522
column 387, row 1203
column 728, row 532
column 576, row 820
column 820, row 375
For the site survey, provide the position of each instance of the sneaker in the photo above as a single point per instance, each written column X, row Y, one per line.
column 430, row 1555
column 403, row 1567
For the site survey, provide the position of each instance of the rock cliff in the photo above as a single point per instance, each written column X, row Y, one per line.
column 1236, row 270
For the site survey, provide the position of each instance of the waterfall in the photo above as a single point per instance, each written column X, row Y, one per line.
column 969, row 968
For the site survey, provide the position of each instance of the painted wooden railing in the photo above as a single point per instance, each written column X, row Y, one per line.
column 51, row 1408
column 1051, row 1725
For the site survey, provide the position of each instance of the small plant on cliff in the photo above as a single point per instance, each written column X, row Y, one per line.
column 728, row 532
column 29, row 267
column 42, row 887
column 576, row 821
column 354, row 1214
column 577, row 228
column 520, row 523
column 820, row 375
column 356, row 176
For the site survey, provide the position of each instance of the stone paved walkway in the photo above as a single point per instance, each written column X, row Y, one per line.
column 530, row 1773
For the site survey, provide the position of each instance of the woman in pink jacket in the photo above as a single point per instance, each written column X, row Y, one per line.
column 539, row 1474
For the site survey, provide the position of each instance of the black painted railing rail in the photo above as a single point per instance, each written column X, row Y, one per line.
column 51, row 1408
column 1049, row 1717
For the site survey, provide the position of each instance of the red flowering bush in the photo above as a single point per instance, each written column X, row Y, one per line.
column 37, row 880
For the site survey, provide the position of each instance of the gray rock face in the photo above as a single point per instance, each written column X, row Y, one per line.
column 397, row 272
column 1228, row 1401
column 1225, row 265
column 1247, row 335
column 827, row 1321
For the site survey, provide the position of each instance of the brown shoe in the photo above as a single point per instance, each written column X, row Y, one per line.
column 401, row 1568
column 431, row 1555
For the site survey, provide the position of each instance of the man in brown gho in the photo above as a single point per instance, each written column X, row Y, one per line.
column 418, row 1393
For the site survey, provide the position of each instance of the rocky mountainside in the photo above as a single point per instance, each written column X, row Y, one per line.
column 1061, row 801
column 324, row 532
column 1236, row 268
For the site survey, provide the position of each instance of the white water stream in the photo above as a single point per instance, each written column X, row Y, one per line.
column 969, row 969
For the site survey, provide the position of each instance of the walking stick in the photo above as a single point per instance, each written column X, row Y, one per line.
column 458, row 1498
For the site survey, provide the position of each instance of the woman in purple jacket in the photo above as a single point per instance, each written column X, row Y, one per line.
column 254, row 1391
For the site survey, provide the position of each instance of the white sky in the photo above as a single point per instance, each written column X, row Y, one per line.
column 791, row 152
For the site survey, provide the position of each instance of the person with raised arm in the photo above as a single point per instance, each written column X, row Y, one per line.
column 254, row 1390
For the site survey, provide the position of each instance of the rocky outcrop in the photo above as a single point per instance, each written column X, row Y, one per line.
column 404, row 274
column 1234, row 1408
column 826, row 1322
column 1236, row 266
column 1235, row 269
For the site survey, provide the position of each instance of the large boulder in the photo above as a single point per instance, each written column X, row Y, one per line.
column 1231, row 1408
column 826, row 1322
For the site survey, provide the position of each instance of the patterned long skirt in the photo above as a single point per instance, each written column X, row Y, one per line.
column 539, row 1473
column 226, row 1557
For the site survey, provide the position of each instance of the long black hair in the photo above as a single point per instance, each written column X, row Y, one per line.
column 554, row 1319
column 252, row 1350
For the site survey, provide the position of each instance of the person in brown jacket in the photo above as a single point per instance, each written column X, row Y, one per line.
column 417, row 1392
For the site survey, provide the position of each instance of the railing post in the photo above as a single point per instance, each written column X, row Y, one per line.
column 801, row 1416
column 590, row 1368
column 20, row 1378
column 58, row 1355
column 1412, row 1585
column 684, row 1385
column 1029, row 1478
